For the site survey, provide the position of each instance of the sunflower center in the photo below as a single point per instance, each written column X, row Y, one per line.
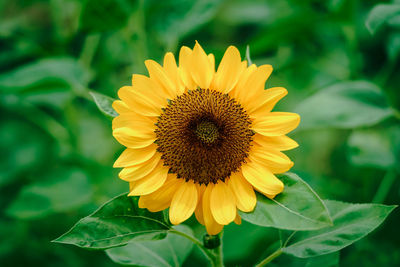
column 207, row 132
column 203, row 136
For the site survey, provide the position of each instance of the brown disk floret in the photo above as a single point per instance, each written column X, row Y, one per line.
column 203, row 136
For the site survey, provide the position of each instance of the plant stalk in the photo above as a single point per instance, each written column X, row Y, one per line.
column 214, row 255
column 270, row 258
column 385, row 186
column 218, row 259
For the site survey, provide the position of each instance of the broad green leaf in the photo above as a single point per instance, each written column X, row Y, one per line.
column 327, row 260
column 104, row 103
column 372, row 147
column 380, row 14
column 298, row 207
column 351, row 223
column 344, row 105
column 55, row 71
column 170, row 251
column 116, row 223
column 66, row 190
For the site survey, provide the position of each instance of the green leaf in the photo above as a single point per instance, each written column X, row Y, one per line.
column 116, row 223
column 344, row 105
column 169, row 252
column 104, row 103
column 55, row 71
column 248, row 58
column 373, row 147
column 380, row 14
column 327, row 260
column 298, row 207
column 351, row 223
column 66, row 190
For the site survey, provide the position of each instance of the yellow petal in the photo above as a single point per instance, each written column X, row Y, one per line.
column 150, row 182
column 149, row 89
column 142, row 203
column 262, row 179
column 211, row 58
column 120, row 107
column 243, row 191
column 143, row 97
column 144, row 126
column 247, row 91
column 223, row 203
column 171, row 70
column 199, row 209
column 238, row 91
column 185, row 59
column 158, row 74
column 212, row 226
column 276, row 123
column 281, row 143
column 132, row 156
column 201, row 67
column 131, row 138
column 266, row 100
column 183, row 202
column 161, row 199
column 145, row 108
column 125, row 93
column 238, row 220
column 229, row 71
column 274, row 160
column 139, row 171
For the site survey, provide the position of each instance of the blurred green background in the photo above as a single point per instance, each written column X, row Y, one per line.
column 57, row 150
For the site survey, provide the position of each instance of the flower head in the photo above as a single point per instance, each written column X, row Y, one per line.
column 201, row 141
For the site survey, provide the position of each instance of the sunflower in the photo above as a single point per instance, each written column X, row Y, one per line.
column 202, row 141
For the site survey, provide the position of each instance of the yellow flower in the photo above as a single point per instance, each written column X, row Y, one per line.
column 199, row 140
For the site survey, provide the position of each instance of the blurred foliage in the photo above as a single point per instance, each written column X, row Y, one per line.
column 338, row 59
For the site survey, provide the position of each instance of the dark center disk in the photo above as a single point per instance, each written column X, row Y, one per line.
column 207, row 131
column 204, row 136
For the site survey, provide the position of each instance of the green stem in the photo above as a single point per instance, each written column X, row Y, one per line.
column 89, row 49
column 270, row 258
column 385, row 186
column 214, row 255
column 218, row 259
